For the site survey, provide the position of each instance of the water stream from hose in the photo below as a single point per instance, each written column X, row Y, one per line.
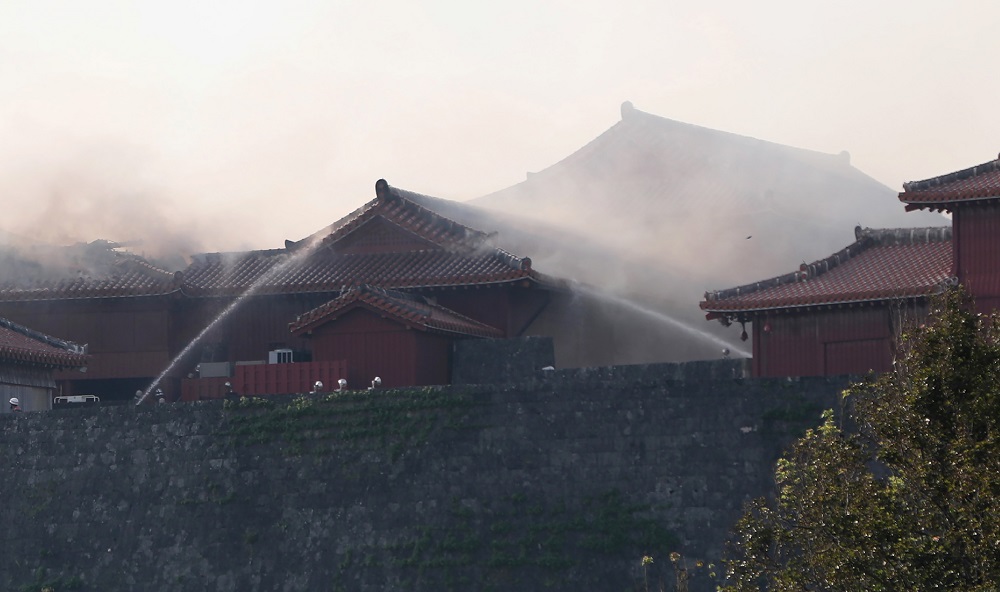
column 253, row 288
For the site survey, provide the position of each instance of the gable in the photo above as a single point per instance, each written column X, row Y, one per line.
column 360, row 319
column 379, row 235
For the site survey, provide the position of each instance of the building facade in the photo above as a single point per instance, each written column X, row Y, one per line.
column 28, row 362
column 237, row 308
column 843, row 314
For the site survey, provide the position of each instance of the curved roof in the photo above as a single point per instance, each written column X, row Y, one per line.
column 978, row 183
column 879, row 265
column 690, row 195
column 20, row 344
column 410, row 310
column 391, row 241
column 395, row 241
column 330, row 272
column 124, row 275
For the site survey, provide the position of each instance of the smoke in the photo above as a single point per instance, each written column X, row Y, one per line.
column 659, row 212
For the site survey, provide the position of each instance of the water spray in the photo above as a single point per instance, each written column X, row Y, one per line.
column 254, row 287
column 727, row 347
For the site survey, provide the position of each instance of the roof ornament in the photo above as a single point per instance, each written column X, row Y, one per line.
column 627, row 109
column 382, row 190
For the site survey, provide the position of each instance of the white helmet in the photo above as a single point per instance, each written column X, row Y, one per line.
column 14, row 401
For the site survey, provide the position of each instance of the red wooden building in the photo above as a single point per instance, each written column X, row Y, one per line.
column 972, row 196
column 409, row 330
column 28, row 360
column 842, row 314
column 137, row 318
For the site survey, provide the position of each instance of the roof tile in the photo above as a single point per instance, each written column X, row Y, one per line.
column 409, row 309
column 972, row 184
column 127, row 276
column 22, row 345
column 880, row 265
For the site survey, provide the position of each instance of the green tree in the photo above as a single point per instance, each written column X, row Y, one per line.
column 905, row 498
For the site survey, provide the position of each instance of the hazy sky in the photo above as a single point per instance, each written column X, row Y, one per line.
column 244, row 123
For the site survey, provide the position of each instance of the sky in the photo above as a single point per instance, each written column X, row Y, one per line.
column 231, row 125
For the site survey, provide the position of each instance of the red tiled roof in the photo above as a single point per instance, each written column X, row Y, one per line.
column 401, row 208
column 127, row 276
column 880, row 265
column 425, row 249
column 442, row 252
column 330, row 272
column 977, row 183
column 411, row 310
column 22, row 345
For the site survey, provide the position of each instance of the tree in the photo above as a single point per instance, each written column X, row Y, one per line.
column 905, row 498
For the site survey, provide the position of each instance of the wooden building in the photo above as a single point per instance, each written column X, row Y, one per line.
column 404, row 339
column 236, row 308
column 839, row 315
column 28, row 361
column 842, row 314
column 122, row 309
column 972, row 197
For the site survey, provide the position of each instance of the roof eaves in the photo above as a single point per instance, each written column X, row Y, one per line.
column 946, row 204
column 729, row 312
column 44, row 338
column 940, row 180
column 865, row 238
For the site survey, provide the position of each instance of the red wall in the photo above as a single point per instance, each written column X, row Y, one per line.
column 374, row 346
column 257, row 326
column 126, row 337
column 490, row 306
column 977, row 252
column 850, row 340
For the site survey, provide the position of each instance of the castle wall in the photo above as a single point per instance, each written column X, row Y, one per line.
column 562, row 481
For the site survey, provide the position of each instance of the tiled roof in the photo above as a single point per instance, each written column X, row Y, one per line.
column 976, row 183
column 119, row 274
column 330, row 272
column 436, row 252
column 655, row 185
column 424, row 249
column 403, row 209
column 880, row 265
column 22, row 345
column 411, row 310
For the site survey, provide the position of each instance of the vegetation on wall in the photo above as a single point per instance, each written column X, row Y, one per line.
column 501, row 544
column 905, row 498
column 393, row 418
column 487, row 544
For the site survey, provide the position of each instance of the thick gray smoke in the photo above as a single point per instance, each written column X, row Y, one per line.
column 658, row 212
column 79, row 198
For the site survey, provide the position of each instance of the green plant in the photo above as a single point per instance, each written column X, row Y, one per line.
column 904, row 497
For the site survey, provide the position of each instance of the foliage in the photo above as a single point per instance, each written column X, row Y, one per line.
column 504, row 544
column 903, row 498
column 396, row 419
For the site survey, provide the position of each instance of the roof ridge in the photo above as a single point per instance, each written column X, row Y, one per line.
column 628, row 111
column 865, row 238
column 136, row 261
column 972, row 171
column 385, row 195
column 43, row 337
column 383, row 189
column 405, row 306
column 905, row 236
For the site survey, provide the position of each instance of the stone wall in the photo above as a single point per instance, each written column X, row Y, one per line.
column 561, row 482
